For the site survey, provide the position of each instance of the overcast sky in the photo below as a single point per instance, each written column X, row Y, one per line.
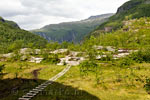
column 32, row 14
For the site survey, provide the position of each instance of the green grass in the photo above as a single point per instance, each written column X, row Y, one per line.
column 115, row 84
column 12, row 38
column 132, row 9
column 13, row 87
column 134, row 35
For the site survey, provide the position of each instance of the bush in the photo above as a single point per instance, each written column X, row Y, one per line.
column 52, row 59
column 88, row 66
column 108, row 57
column 127, row 61
column 1, row 68
column 147, row 85
column 141, row 56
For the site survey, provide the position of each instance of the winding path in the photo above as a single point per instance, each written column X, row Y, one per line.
column 31, row 94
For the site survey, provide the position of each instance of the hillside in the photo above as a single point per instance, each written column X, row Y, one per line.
column 71, row 31
column 10, row 23
column 134, row 34
column 130, row 10
column 11, row 37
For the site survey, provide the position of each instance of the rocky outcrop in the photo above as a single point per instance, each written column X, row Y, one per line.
column 59, row 51
column 35, row 59
column 71, row 59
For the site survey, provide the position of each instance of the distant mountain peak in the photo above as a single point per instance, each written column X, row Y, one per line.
column 71, row 31
column 98, row 16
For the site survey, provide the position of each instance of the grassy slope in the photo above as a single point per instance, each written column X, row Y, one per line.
column 115, row 84
column 133, row 9
column 25, row 80
column 10, row 33
column 134, row 34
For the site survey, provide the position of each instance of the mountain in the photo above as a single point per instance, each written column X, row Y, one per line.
column 134, row 34
column 12, row 36
column 129, row 10
column 10, row 23
column 71, row 31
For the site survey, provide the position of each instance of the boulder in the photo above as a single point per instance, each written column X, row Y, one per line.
column 98, row 47
column 110, row 48
column 35, row 60
column 59, row 51
column 120, row 55
column 26, row 51
column 9, row 55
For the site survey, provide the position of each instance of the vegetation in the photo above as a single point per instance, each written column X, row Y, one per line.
column 12, row 38
column 71, row 31
column 1, row 68
column 130, row 83
column 20, row 78
column 96, row 78
column 130, row 10
column 134, row 35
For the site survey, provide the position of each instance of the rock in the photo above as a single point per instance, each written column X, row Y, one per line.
column 100, row 56
column 98, row 47
column 131, row 51
column 120, row 55
column 26, row 51
column 37, row 51
column 109, row 48
column 9, row 55
column 123, row 51
column 36, row 60
column 73, row 54
column 59, row 51
column 24, row 57
column 108, row 29
column 60, row 64
column 73, row 63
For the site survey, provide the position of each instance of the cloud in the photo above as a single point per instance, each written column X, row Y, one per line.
column 31, row 14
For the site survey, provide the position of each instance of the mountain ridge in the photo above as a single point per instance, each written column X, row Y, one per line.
column 129, row 10
column 71, row 31
column 12, row 37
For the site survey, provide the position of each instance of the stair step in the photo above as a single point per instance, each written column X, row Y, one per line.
column 33, row 91
column 31, row 94
column 38, row 90
column 38, row 87
column 24, row 99
column 27, row 96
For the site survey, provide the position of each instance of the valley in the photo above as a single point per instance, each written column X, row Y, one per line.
column 104, row 57
column 71, row 31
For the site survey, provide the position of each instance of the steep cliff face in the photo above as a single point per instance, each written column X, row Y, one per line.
column 129, row 10
column 128, row 5
column 71, row 31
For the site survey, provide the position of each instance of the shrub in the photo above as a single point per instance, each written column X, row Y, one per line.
column 108, row 57
column 1, row 68
column 88, row 66
column 127, row 61
column 141, row 56
column 147, row 85
column 52, row 59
